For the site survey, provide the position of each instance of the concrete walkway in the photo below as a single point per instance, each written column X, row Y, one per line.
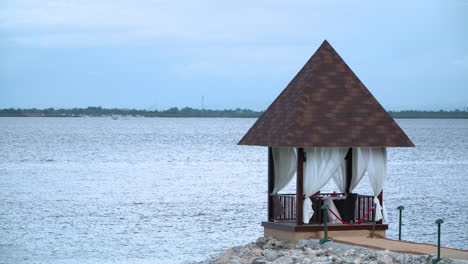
column 402, row 246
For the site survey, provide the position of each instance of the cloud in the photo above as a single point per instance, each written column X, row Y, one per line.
column 73, row 13
column 249, row 61
column 119, row 21
column 97, row 22
column 461, row 61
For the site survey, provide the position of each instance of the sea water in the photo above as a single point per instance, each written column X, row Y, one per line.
column 164, row 190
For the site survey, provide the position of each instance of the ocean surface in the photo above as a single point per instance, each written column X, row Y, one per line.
column 164, row 190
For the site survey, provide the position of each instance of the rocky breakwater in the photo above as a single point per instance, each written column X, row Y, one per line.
column 271, row 250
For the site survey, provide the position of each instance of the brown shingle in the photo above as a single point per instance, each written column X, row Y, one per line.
column 326, row 105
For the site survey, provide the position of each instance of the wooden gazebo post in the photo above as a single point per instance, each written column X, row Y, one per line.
column 271, row 183
column 349, row 169
column 300, row 186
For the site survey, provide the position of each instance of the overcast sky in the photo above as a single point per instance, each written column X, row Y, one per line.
column 158, row 54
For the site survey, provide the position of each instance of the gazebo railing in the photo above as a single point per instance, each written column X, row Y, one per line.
column 363, row 204
column 284, row 207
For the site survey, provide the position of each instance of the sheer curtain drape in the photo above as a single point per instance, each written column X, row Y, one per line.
column 340, row 176
column 360, row 164
column 376, row 172
column 320, row 166
column 285, row 166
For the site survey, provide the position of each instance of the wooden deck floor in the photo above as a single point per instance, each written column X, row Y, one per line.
column 402, row 246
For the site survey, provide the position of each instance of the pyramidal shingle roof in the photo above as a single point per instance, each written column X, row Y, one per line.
column 326, row 105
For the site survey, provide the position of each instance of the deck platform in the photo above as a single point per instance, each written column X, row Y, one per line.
column 289, row 230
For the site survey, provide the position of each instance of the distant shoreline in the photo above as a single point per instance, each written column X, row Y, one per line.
column 191, row 112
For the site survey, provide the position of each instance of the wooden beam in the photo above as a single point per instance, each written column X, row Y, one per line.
column 299, row 185
column 349, row 169
column 380, row 197
column 380, row 200
column 314, row 228
column 271, row 183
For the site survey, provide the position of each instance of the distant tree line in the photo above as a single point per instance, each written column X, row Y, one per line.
column 99, row 111
column 191, row 112
column 441, row 114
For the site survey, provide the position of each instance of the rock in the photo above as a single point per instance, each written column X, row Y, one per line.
column 270, row 254
column 273, row 251
column 293, row 252
column 350, row 253
column 409, row 259
column 386, row 259
column 267, row 246
column 273, row 244
column 338, row 260
column 235, row 260
column 244, row 251
column 311, row 243
column 322, row 259
column 261, row 241
column 253, row 245
column 257, row 252
column 259, row 261
column 346, row 260
column 306, row 261
column 225, row 259
column 450, row 261
column 320, row 252
column 301, row 244
column 357, row 260
column 279, row 244
column 283, row 260
column 310, row 253
column 289, row 245
column 251, row 255
column 231, row 251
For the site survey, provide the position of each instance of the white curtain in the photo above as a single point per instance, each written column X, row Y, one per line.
column 360, row 164
column 376, row 172
column 340, row 177
column 285, row 164
column 320, row 166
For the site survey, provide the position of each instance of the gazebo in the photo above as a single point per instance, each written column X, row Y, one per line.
column 325, row 125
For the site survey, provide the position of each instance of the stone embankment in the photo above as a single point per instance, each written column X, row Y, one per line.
column 270, row 250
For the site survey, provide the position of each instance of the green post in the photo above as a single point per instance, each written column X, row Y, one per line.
column 438, row 222
column 401, row 208
column 325, row 224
